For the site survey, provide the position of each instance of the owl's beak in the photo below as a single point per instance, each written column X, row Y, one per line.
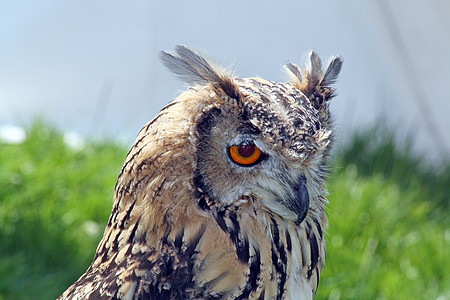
column 300, row 204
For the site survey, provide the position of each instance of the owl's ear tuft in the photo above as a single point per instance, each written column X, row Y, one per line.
column 332, row 72
column 313, row 81
column 191, row 67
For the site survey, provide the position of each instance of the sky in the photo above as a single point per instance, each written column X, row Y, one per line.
column 92, row 67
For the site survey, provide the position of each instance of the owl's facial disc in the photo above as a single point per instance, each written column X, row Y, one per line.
column 283, row 186
column 237, row 159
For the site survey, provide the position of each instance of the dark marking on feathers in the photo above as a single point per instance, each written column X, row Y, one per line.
column 253, row 276
column 127, row 215
column 319, row 227
column 288, row 241
column 314, row 253
column 133, row 231
column 263, row 294
column 240, row 242
column 279, row 261
column 178, row 242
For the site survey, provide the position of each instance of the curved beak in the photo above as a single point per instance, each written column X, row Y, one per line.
column 300, row 203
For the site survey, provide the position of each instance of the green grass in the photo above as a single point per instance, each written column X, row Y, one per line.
column 388, row 238
column 54, row 204
column 389, row 233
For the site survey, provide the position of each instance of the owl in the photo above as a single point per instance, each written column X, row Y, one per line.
column 222, row 196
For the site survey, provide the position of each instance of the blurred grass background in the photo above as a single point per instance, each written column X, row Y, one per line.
column 388, row 237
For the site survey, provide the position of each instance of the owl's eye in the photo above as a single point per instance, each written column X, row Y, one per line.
column 245, row 155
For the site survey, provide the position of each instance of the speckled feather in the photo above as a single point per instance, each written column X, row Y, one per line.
column 187, row 223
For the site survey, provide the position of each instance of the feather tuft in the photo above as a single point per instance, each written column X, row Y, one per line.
column 192, row 68
column 316, row 68
column 314, row 83
column 295, row 70
column 332, row 72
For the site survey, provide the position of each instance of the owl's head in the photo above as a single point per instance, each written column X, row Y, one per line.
column 226, row 140
column 257, row 138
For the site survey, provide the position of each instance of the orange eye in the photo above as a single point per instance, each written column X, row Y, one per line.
column 245, row 154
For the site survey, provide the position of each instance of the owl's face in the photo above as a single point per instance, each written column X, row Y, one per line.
column 258, row 138
column 264, row 149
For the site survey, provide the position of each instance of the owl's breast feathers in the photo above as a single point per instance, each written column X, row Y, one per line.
column 240, row 253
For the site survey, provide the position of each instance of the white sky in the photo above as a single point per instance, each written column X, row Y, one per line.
column 92, row 66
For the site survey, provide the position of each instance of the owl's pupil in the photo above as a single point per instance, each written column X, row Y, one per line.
column 246, row 150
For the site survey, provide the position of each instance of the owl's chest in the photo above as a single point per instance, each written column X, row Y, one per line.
column 249, row 258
